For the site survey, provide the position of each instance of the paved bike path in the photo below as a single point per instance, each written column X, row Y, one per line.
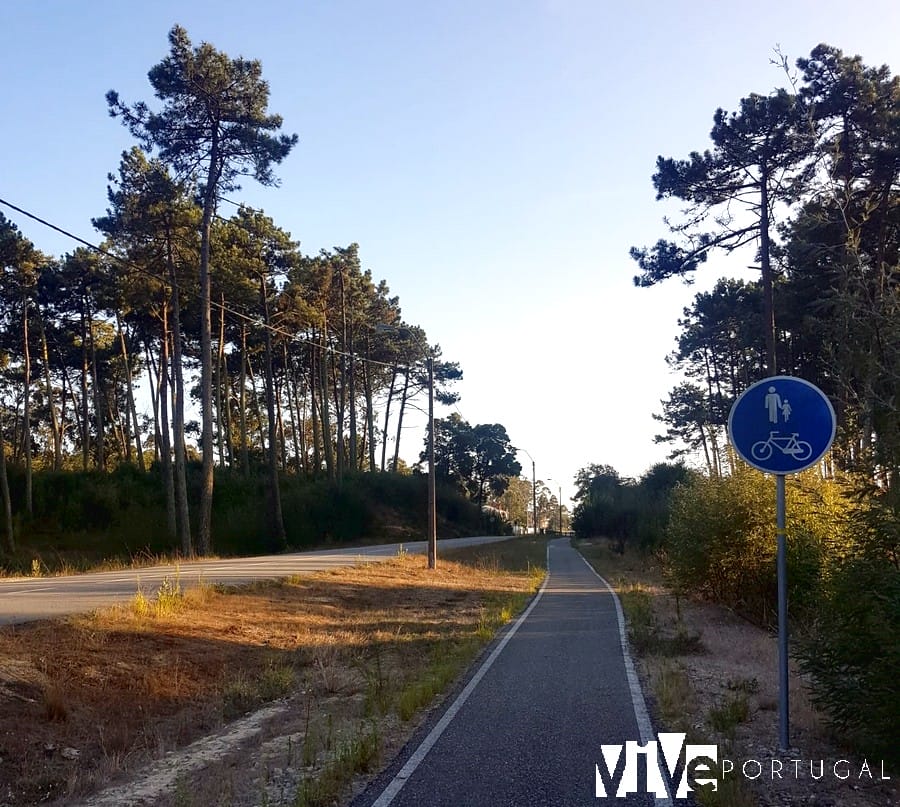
column 530, row 731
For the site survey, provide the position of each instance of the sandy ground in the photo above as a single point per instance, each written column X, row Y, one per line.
column 231, row 698
column 736, row 662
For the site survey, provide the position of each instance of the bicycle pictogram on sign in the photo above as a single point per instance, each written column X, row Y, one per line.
column 799, row 449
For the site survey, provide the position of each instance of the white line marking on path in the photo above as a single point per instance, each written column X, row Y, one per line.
column 645, row 727
column 396, row 784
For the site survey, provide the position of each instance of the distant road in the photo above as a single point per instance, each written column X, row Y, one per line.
column 26, row 599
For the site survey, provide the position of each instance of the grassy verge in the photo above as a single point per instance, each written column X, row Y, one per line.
column 353, row 655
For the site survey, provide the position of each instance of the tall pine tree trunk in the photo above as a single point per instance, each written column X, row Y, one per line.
column 370, row 414
column 387, row 419
column 130, row 398
column 256, row 409
column 55, row 424
column 354, row 450
column 327, row 444
column 276, row 521
column 204, row 528
column 165, row 447
column 293, row 407
column 98, row 398
column 400, row 420
column 153, row 379
column 220, row 363
column 181, row 495
column 9, row 539
column 242, row 413
column 314, row 408
column 85, row 415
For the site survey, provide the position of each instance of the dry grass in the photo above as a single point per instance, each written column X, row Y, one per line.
column 96, row 697
column 714, row 676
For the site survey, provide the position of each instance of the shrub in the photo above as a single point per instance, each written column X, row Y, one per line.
column 852, row 654
column 852, row 650
column 721, row 540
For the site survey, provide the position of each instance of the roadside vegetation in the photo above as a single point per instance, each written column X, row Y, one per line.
column 712, row 674
column 803, row 182
column 347, row 659
column 301, row 368
column 90, row 520
column 717, row 544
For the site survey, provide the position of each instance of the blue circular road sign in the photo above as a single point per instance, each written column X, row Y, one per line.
column 782, row 425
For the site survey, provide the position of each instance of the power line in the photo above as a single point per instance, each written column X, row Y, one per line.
column 255, row 321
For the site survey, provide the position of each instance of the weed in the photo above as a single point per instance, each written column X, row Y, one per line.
column 673, row 693
column 54, row 699
column 238, row 696
column 642, row 628
column 378, row 694
column 644, row 632
column 359, row 754
column 309, row 751
column 243, row 692
column 730, row 792
column 326, row 661
column 203, row 593
column 169, row 597
column 735, row 709
column 749, row 686
column 489, row 563
column 415, row 696
column 183, row 796
column 140, row 605
column 329, row 738
column 683, row 643
column 276, row 681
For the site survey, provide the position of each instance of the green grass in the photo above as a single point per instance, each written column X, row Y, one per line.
column 644, row 632
column 447, row 662
column 358, row 754
column 728, row 715
column 244, row 692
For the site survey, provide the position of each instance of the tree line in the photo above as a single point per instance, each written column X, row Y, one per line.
column 809, row 177
column 299, row 363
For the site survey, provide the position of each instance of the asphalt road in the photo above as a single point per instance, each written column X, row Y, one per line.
column 530, row 729
column 30, row 598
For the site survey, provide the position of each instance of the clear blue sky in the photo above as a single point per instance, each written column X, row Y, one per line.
column 491, row 158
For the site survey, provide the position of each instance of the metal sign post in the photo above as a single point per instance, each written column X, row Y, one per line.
column 781, row 566
column 782, row 425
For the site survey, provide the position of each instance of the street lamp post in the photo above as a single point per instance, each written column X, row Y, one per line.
column 533, row 491
column 432, row 489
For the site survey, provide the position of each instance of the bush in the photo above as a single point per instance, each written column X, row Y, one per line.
column 721, row 540
column 851, row 651
column 852, row 654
